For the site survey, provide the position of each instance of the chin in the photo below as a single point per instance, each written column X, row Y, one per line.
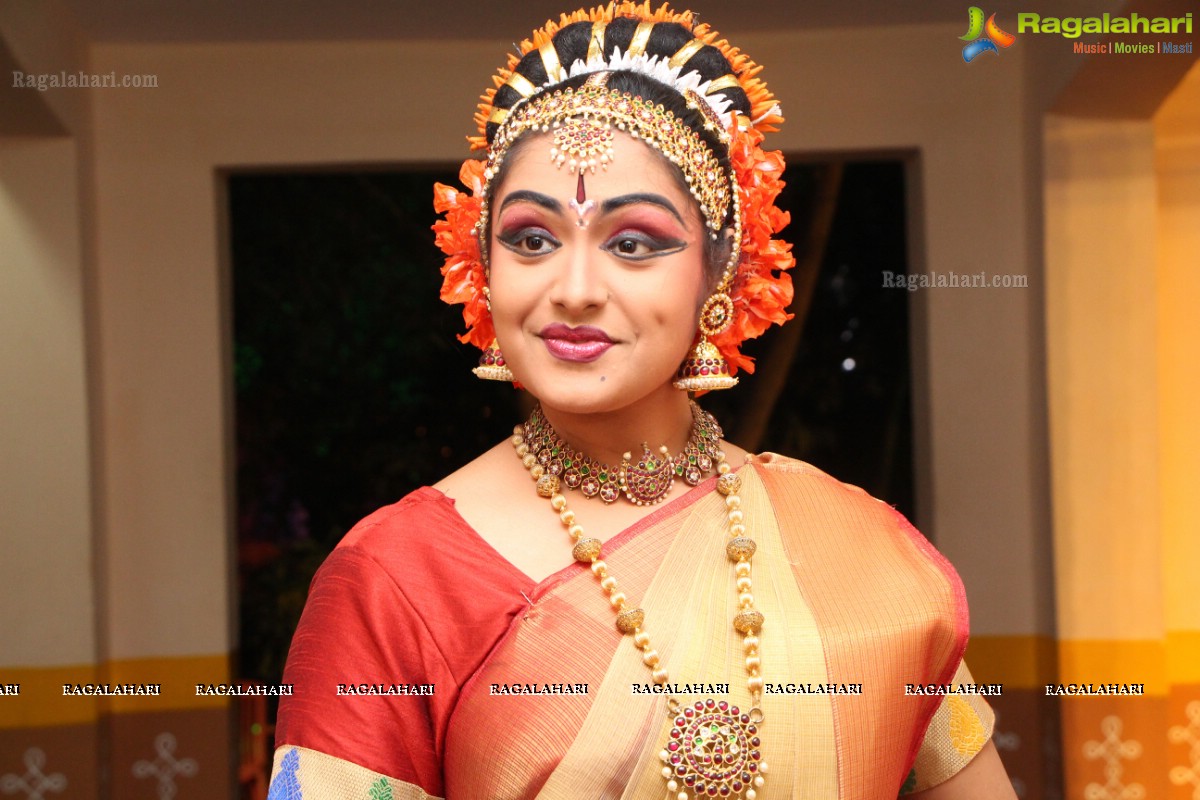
column 578, row 396
column 587, row 394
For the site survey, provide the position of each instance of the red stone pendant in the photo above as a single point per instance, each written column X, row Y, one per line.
column 648, row 481
column 713, row 751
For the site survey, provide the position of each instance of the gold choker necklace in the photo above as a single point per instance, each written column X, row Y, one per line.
column 645, row 482
column 713, row 747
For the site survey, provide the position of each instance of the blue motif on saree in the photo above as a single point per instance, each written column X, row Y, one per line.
column 286, row 785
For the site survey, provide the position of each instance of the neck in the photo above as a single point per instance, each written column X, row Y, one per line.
column 662, row 418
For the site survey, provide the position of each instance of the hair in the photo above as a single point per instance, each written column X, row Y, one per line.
column 571, row 44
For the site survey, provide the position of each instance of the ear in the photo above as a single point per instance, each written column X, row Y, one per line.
column 717, row 254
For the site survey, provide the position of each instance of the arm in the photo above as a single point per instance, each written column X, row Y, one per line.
column 358, row 628
column 983, row 778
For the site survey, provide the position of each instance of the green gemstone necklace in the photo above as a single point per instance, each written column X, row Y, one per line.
column 644, row 482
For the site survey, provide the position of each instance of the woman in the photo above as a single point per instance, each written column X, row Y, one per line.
column 717, row 624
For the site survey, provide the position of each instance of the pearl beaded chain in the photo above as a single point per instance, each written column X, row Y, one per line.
column 707, row 726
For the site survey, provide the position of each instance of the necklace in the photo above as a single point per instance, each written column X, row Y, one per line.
column 713, row 747
column 644, row 483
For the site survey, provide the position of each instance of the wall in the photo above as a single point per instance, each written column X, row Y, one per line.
column 1121, row 222
column 49, row 614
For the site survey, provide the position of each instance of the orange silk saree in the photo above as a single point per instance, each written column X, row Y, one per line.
column 858, row 607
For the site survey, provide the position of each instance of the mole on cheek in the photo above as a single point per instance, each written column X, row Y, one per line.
column 602, row 378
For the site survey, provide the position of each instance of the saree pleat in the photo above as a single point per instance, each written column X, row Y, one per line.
column 792, row 652
column 891, row 611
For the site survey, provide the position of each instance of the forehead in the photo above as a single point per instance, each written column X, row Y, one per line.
column 633, row 167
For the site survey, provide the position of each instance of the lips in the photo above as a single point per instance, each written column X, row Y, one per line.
column 583, row 344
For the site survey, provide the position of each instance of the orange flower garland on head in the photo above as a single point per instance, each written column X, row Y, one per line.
column 761, row 289
column 463, row 275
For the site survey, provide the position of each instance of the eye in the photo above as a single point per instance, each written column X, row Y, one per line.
column 631, row 247
column 637, row 246
column 534, row 243
column 529, row 241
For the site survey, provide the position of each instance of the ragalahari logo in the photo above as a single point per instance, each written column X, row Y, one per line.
column 983, row 38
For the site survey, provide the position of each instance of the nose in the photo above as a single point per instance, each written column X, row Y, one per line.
column 579, row 286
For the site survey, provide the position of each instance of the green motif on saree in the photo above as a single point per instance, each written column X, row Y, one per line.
column 380, row 790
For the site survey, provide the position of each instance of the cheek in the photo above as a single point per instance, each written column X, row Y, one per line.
column 512, row 293
column 676, row 305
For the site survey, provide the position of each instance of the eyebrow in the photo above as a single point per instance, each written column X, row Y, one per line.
column 613, row 203
column 537, row 198
column 608, row 206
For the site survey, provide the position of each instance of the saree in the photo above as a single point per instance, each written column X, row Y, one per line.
column 536, row 694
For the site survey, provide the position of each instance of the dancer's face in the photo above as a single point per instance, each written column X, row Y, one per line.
column 595, row 286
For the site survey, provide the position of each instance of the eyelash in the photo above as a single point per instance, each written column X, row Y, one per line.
column 515, row 240
column 657, row 246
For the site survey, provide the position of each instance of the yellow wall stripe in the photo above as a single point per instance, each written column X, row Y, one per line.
column 41, row 702
column 1017, row 662
column 1091, row 661
column 178, row 677
column 1183, row 657
column 1030, row 662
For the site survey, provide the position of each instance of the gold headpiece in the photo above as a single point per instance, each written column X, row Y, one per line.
column 764, row 111
column 582, row 120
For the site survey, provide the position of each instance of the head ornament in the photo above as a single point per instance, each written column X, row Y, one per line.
column 755, row 279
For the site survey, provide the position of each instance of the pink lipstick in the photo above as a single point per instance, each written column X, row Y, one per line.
column 581, row 345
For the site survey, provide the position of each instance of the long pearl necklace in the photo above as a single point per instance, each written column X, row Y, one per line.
column 713, row 748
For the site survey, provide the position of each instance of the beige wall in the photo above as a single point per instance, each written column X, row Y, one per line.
column 1123, row 220
column 48, row 614
column 1101, row 223
column 161, row 304
column 1122, row 215
column 45, row 515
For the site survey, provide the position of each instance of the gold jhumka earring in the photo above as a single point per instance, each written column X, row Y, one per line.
column 491, row 364
column 705, row 368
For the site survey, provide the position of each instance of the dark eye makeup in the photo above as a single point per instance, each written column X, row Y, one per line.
column 640, row 233
column 528, row 240
column 639, row 245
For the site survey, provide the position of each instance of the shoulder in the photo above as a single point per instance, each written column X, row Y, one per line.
column 821, row 512
column 423, row 514
column 376, row 574
column 808, row 489
column 421, row 547
column 798, row 483
column 485, row 481
column 864, row 567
